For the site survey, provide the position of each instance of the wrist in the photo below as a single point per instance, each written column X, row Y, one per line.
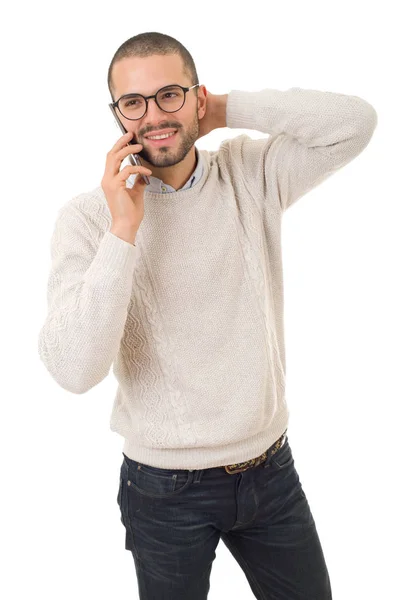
column 124, row 233
column 220, row 110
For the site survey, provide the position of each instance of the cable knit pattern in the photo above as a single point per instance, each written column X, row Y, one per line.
column 191, row 318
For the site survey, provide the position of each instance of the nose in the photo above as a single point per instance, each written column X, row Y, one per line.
column 153, row 108
column 155, row 117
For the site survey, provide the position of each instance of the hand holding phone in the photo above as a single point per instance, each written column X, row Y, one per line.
column 126, row 204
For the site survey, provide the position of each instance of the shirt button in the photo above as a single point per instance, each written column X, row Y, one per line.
column 164, row 189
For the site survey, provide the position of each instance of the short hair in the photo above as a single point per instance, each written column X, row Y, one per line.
column 148, row 44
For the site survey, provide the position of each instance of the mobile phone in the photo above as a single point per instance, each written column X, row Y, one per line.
column 133, row 158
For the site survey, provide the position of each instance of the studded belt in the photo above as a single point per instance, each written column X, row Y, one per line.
column 254, row 462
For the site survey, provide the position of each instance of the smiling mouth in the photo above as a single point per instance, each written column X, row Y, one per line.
column 164, row 140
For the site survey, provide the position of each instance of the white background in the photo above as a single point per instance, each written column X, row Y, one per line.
column 61, row 535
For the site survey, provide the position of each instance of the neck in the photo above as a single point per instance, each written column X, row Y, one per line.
column 177, row 175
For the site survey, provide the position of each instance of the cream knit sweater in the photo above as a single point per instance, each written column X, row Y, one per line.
column 191, row 318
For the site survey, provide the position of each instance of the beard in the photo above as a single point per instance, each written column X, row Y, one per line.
column 167, row 156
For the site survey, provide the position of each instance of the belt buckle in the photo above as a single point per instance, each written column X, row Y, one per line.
column 230, row 469
column 253, row 462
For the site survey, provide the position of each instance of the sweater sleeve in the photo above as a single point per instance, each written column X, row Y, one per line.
column 313, row 134
column 88, row 294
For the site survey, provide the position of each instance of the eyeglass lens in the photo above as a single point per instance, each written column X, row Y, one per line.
column 169, row 99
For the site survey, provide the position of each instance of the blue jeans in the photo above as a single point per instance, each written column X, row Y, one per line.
column 175, row 518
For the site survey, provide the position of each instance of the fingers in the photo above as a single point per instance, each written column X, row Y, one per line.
column 118, row 153
column 126, row 150
column 122, row 141
column 130, row 169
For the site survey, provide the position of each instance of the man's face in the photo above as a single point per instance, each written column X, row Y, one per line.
column 146, row 76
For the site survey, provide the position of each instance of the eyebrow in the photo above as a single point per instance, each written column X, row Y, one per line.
column 160, row 88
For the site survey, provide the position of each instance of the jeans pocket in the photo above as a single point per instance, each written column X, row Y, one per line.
column 155, row 482
column 123, row 502
column 283, row 457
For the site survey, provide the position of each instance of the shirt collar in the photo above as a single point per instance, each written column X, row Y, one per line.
column 159, row 187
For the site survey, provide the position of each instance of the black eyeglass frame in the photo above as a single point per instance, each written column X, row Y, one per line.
column 147, row 98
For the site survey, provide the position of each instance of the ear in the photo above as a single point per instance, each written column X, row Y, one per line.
column 202, row 101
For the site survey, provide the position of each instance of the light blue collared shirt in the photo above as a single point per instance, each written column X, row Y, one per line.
column 159, row 187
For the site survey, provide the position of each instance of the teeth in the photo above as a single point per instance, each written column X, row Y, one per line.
column 160, row 137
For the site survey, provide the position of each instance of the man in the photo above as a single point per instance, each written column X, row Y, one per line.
column 179, row 285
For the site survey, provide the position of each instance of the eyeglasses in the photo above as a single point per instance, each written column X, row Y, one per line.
column 170, row 99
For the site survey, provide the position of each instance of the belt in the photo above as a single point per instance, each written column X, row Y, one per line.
column 254, row 462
